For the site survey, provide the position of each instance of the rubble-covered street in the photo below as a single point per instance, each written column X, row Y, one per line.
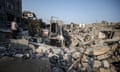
column 59, row 36
column 93, row 48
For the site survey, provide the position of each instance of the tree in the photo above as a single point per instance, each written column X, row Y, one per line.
column 42, row 24
column 34, row 27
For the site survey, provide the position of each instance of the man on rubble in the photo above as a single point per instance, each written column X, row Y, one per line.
column 14, row 27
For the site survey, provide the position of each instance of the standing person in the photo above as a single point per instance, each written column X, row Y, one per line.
column 14, row 27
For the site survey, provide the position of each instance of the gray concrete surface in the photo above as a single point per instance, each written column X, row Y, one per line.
column 35, row 65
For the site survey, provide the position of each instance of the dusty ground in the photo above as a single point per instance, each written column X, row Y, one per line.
column 8, row 64
column 35, row 65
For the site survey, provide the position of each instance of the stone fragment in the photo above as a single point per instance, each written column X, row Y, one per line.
column 104, row 70
column 76, row 55
column 84, row 59
column 101, row 35
column 106, row 64
column 101, row 57
column 89, row 51
column 84, row 66
column 97, row 64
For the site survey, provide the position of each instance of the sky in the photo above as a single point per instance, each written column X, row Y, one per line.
column 76, row 11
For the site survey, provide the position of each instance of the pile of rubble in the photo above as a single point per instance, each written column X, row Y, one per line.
column 100, row 43
column 92, row 48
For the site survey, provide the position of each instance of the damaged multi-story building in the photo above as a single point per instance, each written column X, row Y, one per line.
column 27, row 17
column 10, row 9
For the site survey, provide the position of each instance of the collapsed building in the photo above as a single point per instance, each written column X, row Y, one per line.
column 88, row 48
column 102, row 41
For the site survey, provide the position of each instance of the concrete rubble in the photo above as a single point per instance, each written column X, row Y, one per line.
column 92, row 48
column 97, row 64
column 103, row 39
